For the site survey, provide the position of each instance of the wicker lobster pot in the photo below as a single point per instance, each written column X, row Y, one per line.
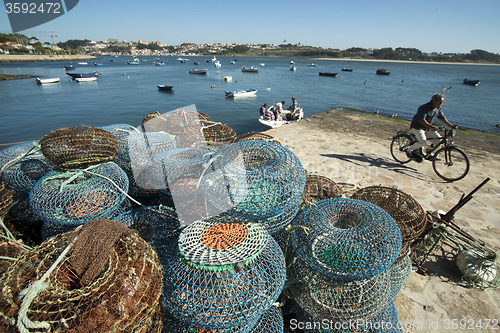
column 409, row 215
column 234, row 272
column 256, row 136
column 109, row 281
column 318, row 188
column 217, row 133
column 76, row 146
column 5, row 201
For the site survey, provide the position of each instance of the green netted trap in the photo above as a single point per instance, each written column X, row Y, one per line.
column 221, row 273
column 337, row 300
column 101, row 277
column 346, row 239
column 76, row 146
column 68, row 198
column 399, row 273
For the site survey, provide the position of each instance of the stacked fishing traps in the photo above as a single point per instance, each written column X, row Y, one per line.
column 101, row 277
column 345, row 252
column 222, row 274
column 263, row 181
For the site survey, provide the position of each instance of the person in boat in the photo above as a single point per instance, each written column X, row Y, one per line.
column 293, row 115
column 263, row 109
column 278, row 109
column 269, row 114
column 421, row 124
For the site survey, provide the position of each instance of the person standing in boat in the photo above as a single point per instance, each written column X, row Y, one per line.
column 421, row 124
column 263, row 109
column 277, row 110
column 294, row 105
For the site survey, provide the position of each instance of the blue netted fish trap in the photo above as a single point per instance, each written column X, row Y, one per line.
column 399, row 273
column 68, row 198
column 270, row 321
column 156, row 225
column 346, row 239
column 337, row 300
column 22, row 165
column 409, row 215
column 261, row 181
column 221, row 273
column 101, row 277
column 78, row 146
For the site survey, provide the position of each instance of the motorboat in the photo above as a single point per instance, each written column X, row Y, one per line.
column 382, row 71
column 47, row 80
column 346, row 69
column 471, row 82
column 83, row 63
column 164, row 87
column 328, row 74
column 198, row 71
column 292, row 62
column 252, row 69
column 97, row 64
column 86, row 79
column 80, row 75
column 270, row 124
column 134, row 61
column 69, row 68
column 293, row 68
column 228, row 78
column 217, row 64
column 159, row 63
column 312, row 65
column 240, row 93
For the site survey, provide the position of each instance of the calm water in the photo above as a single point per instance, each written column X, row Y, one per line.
column 126, row 93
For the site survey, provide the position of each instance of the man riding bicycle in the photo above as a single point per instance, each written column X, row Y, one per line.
column 421, row 125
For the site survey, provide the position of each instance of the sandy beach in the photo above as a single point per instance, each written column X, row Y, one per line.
column 42, row 57
column 353, row 150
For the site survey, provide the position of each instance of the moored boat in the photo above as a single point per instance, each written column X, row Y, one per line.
column 328, row 74
column 97, row 64
column 217, row 64
column 86, row 79
column 83, row 63
column 240, row 93
column 383, row 71
column 69, row 68
column 198, row 71
column 47, row 80
column 252, row 69
column 346, row 69
column 80, row 75
column 312, row 65
column 293, row 68
column 164, row 87
column 134, row 61
column 471, row 82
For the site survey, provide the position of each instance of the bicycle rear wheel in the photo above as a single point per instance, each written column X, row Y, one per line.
column 450, row 163
column 399, row 144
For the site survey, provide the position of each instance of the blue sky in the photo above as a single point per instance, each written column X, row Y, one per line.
column 439, row 25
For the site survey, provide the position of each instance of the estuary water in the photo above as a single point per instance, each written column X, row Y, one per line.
column 127, row 93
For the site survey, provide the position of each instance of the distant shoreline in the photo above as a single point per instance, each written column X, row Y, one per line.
column 41, row 57
column 413, row 62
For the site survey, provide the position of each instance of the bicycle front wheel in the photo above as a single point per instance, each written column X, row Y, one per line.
column 399, row 144
column 450, row 163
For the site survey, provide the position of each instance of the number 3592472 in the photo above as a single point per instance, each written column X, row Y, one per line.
column 33, row 8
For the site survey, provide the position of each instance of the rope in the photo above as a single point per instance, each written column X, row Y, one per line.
column 29, row 294
column 10, row 237
column 19, row 158
column 70, row 175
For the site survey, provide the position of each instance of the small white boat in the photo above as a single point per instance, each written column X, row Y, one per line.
column 293, row 68
column 233, row 62
column 83, row 63
column 292, row 62
column 86, row 79
column 240, row 93
column 270, row 124
column 48, row 80
column 252, row 69
column 217, row 64
column 262, row 64
column 198, row 71
column 228, row 78
column 312, row 65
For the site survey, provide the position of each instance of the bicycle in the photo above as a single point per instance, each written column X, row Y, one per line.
column 448, row 161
